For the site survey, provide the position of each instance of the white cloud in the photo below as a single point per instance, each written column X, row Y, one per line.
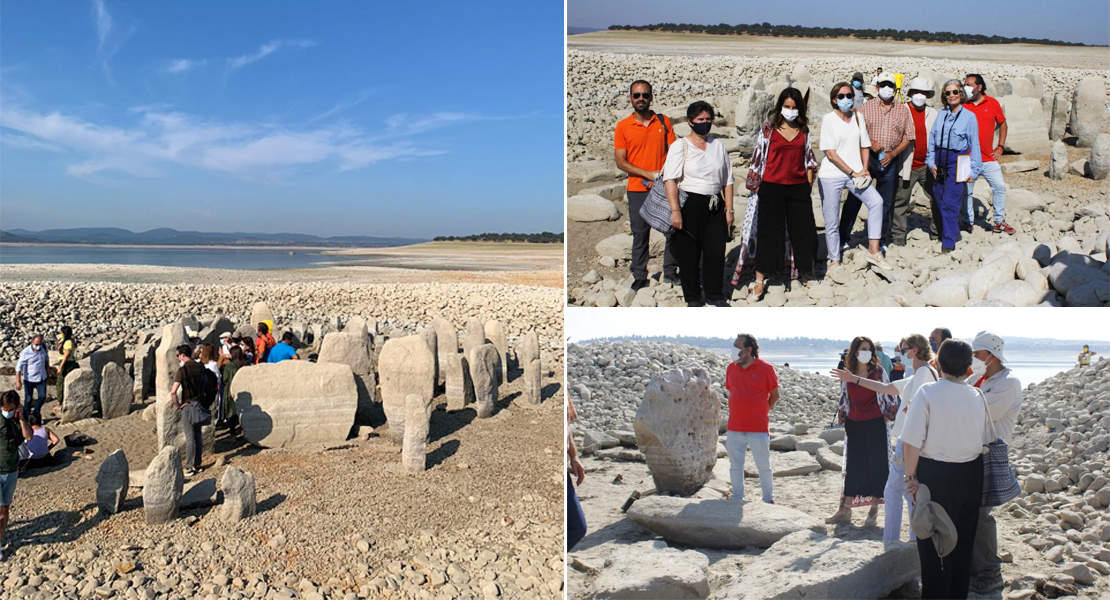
column 107, row 41
column 363, row 96
column 12, row 140
column 183, row 65
column 265, row 50
column 103, row 23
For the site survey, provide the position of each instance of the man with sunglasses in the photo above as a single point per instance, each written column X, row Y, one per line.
column 640, row 144
column 989, row 113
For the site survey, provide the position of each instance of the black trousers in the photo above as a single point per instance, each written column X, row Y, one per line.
column 641, row 234
column 958, row 487
column 865, row 466
column 699, row 248
column 785, row 208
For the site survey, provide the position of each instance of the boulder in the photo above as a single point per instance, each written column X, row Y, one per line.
column 115, row 353
column 349, row 348
column 1058, row 122
column 112, row 483
column 720, row 524
column 80, row 395
column 1081, row 167
column 211, row 334
column 260, row 312
column 587, row 208
column 495, row 334
column 1058, row 167
column 414, row 447
column 460, row 388
column 237, row 486
column 676, row 429
column 406, row 366
column 530, row 361
column 1063, row 275
column 1100, row 156
column 198, row 494
column 447, row 341
column 1095, row 293
column 428, row 334
column 808, row 564
column 751, row 112
column 1015, row 293
column 652, row 570
column 165, row 363
column 989, row 275
column 1024, row 200
column 1088, row 110
column 811, row 446
column 116, row 391
column 947, row 291
column 474, row 336
column 295, row 403
column 163, row 486
column 783, row 442
column 1027, row 131
column 786, row 464
column 832, row 435
column 829, row 460
column 484, row 371
column 619, row 246
column 143, row 369
column 1021, row 166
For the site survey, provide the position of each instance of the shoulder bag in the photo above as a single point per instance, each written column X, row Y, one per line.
column 999, row 483
column 656, row 209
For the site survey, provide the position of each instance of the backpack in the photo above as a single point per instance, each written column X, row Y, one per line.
column 209, row 388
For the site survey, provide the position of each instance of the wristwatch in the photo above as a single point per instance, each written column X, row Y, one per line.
column 909, row 478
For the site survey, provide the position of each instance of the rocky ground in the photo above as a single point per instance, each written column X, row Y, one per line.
column 1050, row 215
column 1054, row 538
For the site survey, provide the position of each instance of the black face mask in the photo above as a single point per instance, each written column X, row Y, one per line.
column 701, row 128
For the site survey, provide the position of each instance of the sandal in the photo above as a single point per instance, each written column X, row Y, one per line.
column 842, row 514
column 755, row 296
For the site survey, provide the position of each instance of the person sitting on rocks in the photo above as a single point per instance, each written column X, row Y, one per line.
column 989, row 115
column 955, row 134
column 753, row 390
column 263, row 344
column 67, row 347
column 39, row 445
column 14, row 430
column 284, row 350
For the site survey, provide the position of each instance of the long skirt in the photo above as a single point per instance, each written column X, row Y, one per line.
column 865, row 464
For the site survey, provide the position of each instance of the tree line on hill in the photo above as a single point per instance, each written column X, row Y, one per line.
column 901, row 35
column 532, row 238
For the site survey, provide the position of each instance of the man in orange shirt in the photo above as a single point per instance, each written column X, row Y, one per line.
column 753, row 390
column 640, row 144
column 989, row 115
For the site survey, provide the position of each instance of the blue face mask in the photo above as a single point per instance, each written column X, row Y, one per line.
column 856, row 84
column 7, row 413
column 933, row 345
column 701, row 128
column 844, row 104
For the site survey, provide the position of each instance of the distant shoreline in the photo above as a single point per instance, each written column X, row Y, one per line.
column 195, row 246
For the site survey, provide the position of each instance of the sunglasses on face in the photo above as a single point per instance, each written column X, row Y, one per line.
column 952, row 93
column 644, row 95
column 843, row 96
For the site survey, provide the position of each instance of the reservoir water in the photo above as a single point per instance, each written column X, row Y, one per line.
column 199, row 257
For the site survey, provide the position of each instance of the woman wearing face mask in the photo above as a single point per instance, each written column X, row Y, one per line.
column 915, row 349
column 699, row 165
column 67, row 347
column 779, row 181
column 847, row 149
column 942, row 440
column 863, row 411
column 954, row 134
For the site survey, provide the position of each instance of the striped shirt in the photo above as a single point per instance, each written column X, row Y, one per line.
column 888, row 124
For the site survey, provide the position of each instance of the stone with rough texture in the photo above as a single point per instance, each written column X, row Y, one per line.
column 260, row 311
column 168, row 416
column 163, row 486
column 829, row 460
column 676, row 429
column 1095, row 293
column 1015, row 293
column 495, row 334
column 116, row 391
column 211, row 334
column 112, row 483
column 447, row 342
column 1058, row 167
column 530, row 361
column 947, row 291
column 484, row 371
column 428, row 334
column 1088, row 110
column 143, row 369
column 1023, row 200
column 348, row 348
column 994, row 273
column 1058, row 118
column 406, row 366
column 237, row 486
column 587, row 208
column 807, row 564
column 786, row 464
column 295, row 403
column 651, row 570
column 199, row 493
column 80, row 395
column 1064, row 275
column 474, row 336
column 116, row 352
column 619, row 246
column 460, row 388
column 1027, row 131
column 722, row 524
column 415, row 447
column 1100, row 156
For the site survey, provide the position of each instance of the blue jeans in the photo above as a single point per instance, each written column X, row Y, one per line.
column 7, row 487
column 892, row 497
column 737, row 444
column 31, row 405
column 576, row 519
column 992, row 172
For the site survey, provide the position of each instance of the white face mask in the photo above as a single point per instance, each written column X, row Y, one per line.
column 886, row 93
column 970, row 91
column 7, row 413
column 978, row 367
column 864, row 356
column 36, row 347
column 789, row 113
column 918, row 99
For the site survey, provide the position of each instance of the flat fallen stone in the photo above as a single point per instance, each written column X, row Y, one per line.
column 830, row 460
column 198, row 493
column 786, row 464
column 727, row 524
column 652, row 570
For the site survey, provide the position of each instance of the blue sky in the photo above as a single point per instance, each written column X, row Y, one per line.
column 331, row 118
column 1085, row 21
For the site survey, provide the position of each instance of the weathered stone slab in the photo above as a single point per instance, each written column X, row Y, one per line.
column 474, row 336
column 829, row 460
column 495, row 334
column 431, row 338
column 652, row 570
column 198, row 494
column 460, row 388
column 533, row 375
column 165, row 363
column 484, row 372
column 237, row 486
column 786, row 464
column 414, row 450
column 163, row 486
column 80, row 394
column 116, row 352
column 116, row 391
column 260, row 312
column 295, row 403
column 676, row 429
column 406, row 367
column 351, row 348
column 112, row 483
column 447, row 342
column 725, row 524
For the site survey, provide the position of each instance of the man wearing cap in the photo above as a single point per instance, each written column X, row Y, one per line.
column 988, row 113
column 857, row 89
column 1003, row 393
column 912, row 171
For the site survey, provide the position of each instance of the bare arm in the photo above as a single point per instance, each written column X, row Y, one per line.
column 910, row 454
column 729, row 216
column 173, row 393
column 28, row 433
column 773, row 398
column 672, row 199
column 53, row 438
column 997, row 150
column 575, row 464
column 871, row 384
column 621, row 156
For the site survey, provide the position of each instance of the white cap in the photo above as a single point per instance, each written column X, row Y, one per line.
column 225, row 334
column 990, row 342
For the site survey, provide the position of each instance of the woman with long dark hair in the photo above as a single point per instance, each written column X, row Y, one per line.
column 67, row 347
column 780, row 180
column 864, row 413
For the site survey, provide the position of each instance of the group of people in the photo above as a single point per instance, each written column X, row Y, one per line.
column 878, row 149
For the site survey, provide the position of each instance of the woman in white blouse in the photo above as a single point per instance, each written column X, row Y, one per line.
column 699, row 166
column 847, row 149
column 943, row 440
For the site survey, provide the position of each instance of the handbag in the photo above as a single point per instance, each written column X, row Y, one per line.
column 199, row 415
column 656, row 210
column 999, row 483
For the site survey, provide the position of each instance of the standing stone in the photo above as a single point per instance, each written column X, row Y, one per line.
column 115, row 352
column 295, row 403
column 751, row 112
column 1058, row 167
column 164, row 483
column 414, row 449
column 460, row 387
column 1088, row 110
column 474, row 336
column 447, row 341
column 115, row 391
column 495, row 333
column 260, row 312
column 1100, row 156
column 432, row 340
column 211, row 334
column 348, row 348
column 80, row 393
column 406, row 367
column 483, row 371
column 112, row 481
column 1059, row 118
column 1027, row 132
column 676, row 429
column 239, row 500
column 144, row 371
column 168, row 415
column 530, row 360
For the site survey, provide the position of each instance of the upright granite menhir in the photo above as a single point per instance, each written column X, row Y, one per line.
column 676, row 429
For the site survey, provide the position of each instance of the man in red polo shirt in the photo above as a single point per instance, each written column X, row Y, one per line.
column 640, row 145
column 989, row 114
column 753, row 390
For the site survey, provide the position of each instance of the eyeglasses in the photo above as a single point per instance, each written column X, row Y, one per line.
column 644, row 95
column 952, row 93
column 843, row 96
